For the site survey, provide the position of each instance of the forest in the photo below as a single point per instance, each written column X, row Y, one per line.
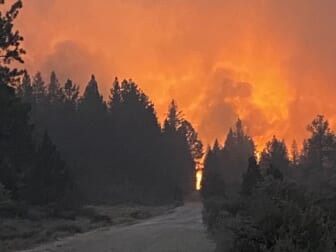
column 113, row 151
column 59, row 146
column 62, row 148
column 283, row 202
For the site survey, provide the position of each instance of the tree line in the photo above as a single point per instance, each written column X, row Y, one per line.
column 283, row 202
column 58, row 146
column 114, row 150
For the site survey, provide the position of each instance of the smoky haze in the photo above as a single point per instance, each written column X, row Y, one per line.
column 271, row 63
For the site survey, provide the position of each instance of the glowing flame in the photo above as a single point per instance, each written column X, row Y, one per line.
column 186, row 52
column 198, row 179
column 258, row 156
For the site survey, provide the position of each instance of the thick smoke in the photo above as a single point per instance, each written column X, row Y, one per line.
column 69, row 59
column 271, row 63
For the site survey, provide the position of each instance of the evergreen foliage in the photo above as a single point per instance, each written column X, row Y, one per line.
column 49, row 180
column 16, row 144
column 118, row 152
column 252, row 177
column 212, row 182
column 17, row 148
column 275, row 156
column 238, row 148
column 284, row 206
column 10, row 46
column 179, row 152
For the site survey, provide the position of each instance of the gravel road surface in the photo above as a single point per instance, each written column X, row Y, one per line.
column 181, row 230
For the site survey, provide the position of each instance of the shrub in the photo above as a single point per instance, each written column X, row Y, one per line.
column 277, row 216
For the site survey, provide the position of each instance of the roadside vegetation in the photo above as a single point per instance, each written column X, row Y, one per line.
column 63, row 149
column 285, row 202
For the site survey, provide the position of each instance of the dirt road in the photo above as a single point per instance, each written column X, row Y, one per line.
column 179, row 231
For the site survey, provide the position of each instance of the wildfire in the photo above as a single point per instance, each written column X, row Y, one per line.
column 258, row 156
column 198, row 179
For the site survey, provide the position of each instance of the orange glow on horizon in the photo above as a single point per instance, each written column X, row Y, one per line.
column 274, row 73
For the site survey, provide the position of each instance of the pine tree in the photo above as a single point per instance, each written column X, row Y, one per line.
column 25, row 89
column 237, row 149
column 115, row 97
column 212, row 182
column 91, row 133
column 194, row 143
column 16, row 144
column 71, row 92
column 138, row 131
column 252, row 177
column 92, row 102
column 40, row 113
column 230, row 141
column 66, row 127
column 49, row 180
column 216, row 148
column 319, row 150
column 174, row 116
column 179, row 151
column 275, row 155
column 15, row 130
column 239, row 130
column 92, row 115
column 55, row 93
column 10, row 46
column 38, row 89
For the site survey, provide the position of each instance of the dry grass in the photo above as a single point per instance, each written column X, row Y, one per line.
column 36, row 227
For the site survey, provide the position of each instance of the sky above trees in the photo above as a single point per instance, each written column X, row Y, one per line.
column 269, row 62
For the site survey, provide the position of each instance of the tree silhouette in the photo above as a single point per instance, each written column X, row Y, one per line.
column 49, row 180
column 319, row 149
column 10, row 46
column 25, row 89
column 16, row 144
column 237, row 149
column 92, row 102
column 138, row 134
column 194, row 143
column 115, row 97
column 117, row 151
column 179, row 151
column 295, row 154
column 15, row 130
column 212, row 182
column 38, row 89
column 251, row 178
column 71, row 92
column 275, row 156
column 55, row 93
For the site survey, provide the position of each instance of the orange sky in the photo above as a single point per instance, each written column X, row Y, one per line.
column 270, row 62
